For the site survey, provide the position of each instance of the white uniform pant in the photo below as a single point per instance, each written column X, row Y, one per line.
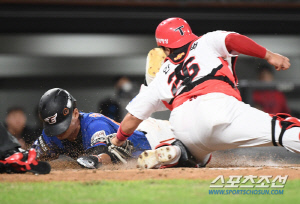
column 158, row 131
column 218, row 122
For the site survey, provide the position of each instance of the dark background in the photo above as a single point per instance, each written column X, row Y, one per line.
column 83, row 46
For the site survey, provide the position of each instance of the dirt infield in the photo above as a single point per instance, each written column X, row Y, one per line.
column 135, row 174
column 69, row 170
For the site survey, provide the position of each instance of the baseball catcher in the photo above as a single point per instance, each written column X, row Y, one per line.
column 198, row 84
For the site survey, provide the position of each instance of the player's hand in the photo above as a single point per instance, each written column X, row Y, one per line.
column 90, row 162
column 94, row 161
column 278, row 61
column 120, row 152
column 117, row 142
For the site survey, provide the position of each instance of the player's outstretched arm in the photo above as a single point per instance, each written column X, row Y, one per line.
column 278, row 61
column 100, row 155
column 126, row 129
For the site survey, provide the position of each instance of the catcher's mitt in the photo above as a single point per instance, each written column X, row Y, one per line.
column 155, row 59
column 122, row 153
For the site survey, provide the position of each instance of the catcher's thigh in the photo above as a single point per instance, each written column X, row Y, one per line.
column 158, row 131
column 218, row 122
column 250, row 127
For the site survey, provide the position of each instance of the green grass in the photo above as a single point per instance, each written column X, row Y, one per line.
column 153, row 191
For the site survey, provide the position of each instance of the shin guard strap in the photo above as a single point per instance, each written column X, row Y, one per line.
column 283, row 129
column 273, row 130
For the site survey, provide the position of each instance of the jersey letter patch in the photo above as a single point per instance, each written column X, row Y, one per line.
column 98, row 137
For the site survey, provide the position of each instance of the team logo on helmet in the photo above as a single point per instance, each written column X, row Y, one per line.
column 66, row 111
column 180, row 30
column 51, row 120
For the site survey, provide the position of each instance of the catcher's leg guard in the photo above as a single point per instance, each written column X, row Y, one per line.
column 186, row 158
column 286, row 122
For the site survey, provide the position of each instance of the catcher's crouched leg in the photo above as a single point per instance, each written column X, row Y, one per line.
column 166, row 156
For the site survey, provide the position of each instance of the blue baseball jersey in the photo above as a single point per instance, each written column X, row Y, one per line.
column 94, row 127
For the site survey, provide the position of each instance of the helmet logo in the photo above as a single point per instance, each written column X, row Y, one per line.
column 66, row 111
column 180, row 30
column 51, row 120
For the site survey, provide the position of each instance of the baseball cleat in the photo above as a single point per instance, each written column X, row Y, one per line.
column 163, row 156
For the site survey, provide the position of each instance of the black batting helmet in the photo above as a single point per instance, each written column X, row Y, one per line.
column 55, row 110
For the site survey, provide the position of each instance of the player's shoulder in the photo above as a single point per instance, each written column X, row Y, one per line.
column 87, row 118
column 217, row 34
column 166, row 68
column 90, row 118
column 84, row 115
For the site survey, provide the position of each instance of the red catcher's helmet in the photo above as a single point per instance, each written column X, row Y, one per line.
column 174, row 33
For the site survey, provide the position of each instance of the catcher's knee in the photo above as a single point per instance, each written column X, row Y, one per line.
column 286, row 122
